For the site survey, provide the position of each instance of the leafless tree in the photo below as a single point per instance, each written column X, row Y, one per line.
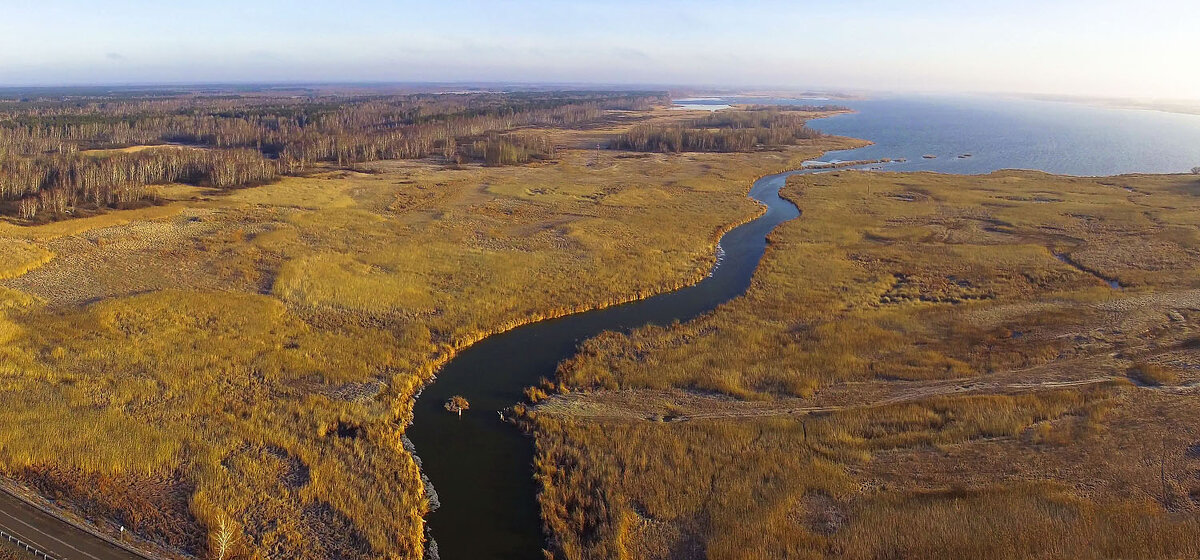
column 224, row 539
column 28, row 207
column 224, row 143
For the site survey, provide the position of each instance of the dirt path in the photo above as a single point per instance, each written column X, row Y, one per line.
column 682, row 406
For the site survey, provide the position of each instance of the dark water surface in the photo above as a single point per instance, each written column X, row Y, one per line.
column 482, row 468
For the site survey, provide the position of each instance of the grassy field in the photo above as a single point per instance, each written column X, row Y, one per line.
column 18, row 257
column 252, row 355
column 926, row 366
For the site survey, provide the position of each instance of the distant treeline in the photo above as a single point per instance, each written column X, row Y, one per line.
column 58, row 183
column 255, row 138
column 507, row 149
column 743, row 130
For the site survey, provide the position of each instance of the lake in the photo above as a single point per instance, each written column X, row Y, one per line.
column 1002, row 133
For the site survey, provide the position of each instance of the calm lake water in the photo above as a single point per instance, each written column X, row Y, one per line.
column 1004, row 133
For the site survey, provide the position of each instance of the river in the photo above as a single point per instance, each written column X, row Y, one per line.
column 481, row 467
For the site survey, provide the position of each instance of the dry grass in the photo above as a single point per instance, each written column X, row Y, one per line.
column 206, row 383
column 940, row 347
column 66, row 228
column 19, row 257
column 1154, row 374
column 1012, row 522
column 136, row 149
column 256, row 353
column 896, row 273
column 742, row 489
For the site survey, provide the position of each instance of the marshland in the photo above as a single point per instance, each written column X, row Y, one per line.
column 474, row 280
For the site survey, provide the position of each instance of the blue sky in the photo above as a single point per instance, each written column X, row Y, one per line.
column 1147, row 48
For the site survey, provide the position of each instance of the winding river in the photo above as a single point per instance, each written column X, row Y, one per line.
column 480, row 466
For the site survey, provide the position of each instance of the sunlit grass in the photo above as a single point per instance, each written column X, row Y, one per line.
column 744, row 489
column 267, row 343
column 18, row 257
column 906, row 305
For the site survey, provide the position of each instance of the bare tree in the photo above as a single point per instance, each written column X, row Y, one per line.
column 28, row 207
column 1196, row 170
column 224, row 539
column 458, row 404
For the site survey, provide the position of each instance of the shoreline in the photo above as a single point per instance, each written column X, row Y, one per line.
column 435, row 369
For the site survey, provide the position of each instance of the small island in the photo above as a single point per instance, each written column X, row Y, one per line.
column 458, row 404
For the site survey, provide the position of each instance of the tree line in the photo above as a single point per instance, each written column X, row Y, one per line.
column 507, row 149
column 725, row 131
column 44, row 167
column 55, row 184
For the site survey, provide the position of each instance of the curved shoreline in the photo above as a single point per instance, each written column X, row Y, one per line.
column 444, row 442
column 427, row 375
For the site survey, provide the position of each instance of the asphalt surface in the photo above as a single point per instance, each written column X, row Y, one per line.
column 54, row 536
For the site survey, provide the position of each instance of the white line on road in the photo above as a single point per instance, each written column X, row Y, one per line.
column 64, row 543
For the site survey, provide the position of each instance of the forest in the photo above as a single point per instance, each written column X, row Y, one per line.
column 743, row 130
column 62, row 155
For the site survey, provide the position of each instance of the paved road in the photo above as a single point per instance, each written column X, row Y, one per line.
column 53, row 536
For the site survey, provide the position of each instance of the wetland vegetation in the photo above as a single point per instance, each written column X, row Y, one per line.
column 248, row 358
column 913, row 374
column 599, row 280
column 216, row 313
column 59, row 156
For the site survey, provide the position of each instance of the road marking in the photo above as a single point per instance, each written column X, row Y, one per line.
column 64, row 543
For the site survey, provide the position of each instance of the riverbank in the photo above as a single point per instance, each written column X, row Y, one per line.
column 911, row 358
column 342, row 290
column 498, row 519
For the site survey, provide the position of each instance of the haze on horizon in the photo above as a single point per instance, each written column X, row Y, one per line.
column 1074, row 47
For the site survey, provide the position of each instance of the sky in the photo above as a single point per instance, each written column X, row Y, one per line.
column 1143, row 49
